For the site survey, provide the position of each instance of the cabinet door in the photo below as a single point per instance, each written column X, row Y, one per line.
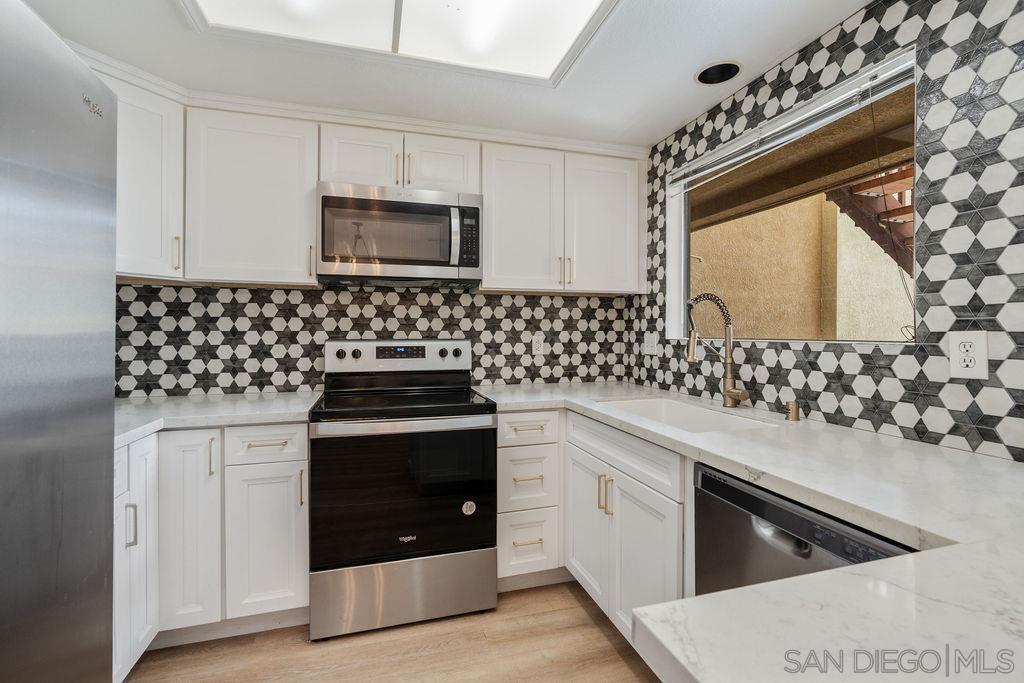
column 190, row 528
column 587, row 527
column 439, row 163
column 523, row 216
column 266, row 545
column 601, row 224
column 143, row 551
column 122, row 634
column 646, row 549
column 150, row 182
column 250, row 186
column 361, row 156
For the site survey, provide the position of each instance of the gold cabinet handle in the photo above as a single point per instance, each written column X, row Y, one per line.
column 561, row 271
column 534, row 428
column 302, row 500
column 408, row 170
column 535, row 541
column 398, row 164
column 135, row 524
column 209, row 456
column 600, row 485
column 311, row 260
column 571, row 275
column 177, row 252
column 266, row 444
column 607, row 507
column 520, row 480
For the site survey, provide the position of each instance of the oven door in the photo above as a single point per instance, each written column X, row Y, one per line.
column 392, row 490
column 388, row 232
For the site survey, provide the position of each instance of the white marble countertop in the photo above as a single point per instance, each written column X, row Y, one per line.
column 962, row 509
column 138, row 418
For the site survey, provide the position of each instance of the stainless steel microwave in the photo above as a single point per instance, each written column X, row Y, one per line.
column 373, row 234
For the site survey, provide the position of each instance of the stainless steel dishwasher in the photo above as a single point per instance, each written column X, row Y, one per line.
column 745, row 534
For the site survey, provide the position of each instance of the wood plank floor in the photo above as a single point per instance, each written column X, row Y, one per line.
column 554, row 633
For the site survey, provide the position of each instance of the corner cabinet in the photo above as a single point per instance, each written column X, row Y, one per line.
column 602, row 238
column 556, row 222
column 150, row 183
column 523, row 218
column 623, row 540
column 250, row 190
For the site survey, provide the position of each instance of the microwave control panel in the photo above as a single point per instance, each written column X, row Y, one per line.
column 469, row 256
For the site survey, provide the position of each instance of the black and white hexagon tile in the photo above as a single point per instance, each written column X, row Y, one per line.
column 182, row 340
column 969, row 244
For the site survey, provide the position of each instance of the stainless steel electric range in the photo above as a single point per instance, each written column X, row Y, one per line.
column 402, row 484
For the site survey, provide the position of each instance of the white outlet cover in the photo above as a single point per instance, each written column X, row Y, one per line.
column 537, row 344
column 650, row 343
column 968, row 354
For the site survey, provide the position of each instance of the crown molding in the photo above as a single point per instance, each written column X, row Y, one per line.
column 250, row 105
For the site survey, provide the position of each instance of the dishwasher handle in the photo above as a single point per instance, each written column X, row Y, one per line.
column 781, row 539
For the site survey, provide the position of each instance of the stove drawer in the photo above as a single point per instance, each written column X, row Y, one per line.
column 524, row 429
column 266, row 443
column 527, row 477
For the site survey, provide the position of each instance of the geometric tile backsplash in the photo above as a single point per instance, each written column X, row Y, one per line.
column 184, row 340
column 969, row 243
column 969, row 271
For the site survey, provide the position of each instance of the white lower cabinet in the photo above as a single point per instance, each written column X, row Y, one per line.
column 190, row 528
column 623, row 540
column 527, row 541
column 136, row 567
column 266, row 534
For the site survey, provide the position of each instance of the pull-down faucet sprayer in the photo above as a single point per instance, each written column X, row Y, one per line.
column 731, row 396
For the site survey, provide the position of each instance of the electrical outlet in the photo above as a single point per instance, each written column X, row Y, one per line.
column 650, row 344
column 968, row 355
column 537, row 344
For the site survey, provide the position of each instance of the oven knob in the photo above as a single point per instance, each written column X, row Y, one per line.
column 341, row 354
column 443, row 353
column 356, row 353
column 456, row 352
column 468, row 508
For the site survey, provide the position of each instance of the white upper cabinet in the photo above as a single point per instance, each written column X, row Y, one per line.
column 150, row 182
column 523, row 229
column 373, row 156
column 251, row 198
column 438, row 163
column 601, row 223
column 361, row 156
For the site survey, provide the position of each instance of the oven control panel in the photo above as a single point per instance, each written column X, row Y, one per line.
column 345, row 356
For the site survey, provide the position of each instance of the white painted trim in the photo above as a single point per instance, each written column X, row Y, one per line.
column 544, row 577
column 211, row 100
column 198, row 21
column 230, row 627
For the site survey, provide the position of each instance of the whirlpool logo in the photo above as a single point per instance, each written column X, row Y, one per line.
column 407, row 539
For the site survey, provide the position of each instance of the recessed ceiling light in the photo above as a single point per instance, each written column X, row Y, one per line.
column 718, row 73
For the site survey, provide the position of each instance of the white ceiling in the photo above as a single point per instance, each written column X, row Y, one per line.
column 632, row 84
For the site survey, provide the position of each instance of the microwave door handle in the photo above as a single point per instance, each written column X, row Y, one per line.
column 456, row 236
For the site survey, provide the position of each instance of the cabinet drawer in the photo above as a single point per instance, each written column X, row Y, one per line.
column 120, row 471
column 657, row 467
column 527, row 541
column 265, row 443
column 528, row 477
column 523, row 429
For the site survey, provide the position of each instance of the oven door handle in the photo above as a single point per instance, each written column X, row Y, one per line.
column 456, row 236
column 326, row 430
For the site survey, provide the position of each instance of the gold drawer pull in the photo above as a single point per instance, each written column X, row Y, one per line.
column 534, row 428
column 607, row 507
column 520, row 480
column 536, row 541
column 600, row 485
column 267, row 444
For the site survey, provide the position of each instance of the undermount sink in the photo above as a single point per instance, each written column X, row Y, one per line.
column 684, row 416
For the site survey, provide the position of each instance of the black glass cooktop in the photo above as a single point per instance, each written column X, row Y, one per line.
column 399, row 404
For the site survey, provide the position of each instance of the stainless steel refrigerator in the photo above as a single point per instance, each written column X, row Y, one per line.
column 57, row 167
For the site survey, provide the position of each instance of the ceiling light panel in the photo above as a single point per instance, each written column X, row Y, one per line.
column 364, row 24
column 526, row 37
